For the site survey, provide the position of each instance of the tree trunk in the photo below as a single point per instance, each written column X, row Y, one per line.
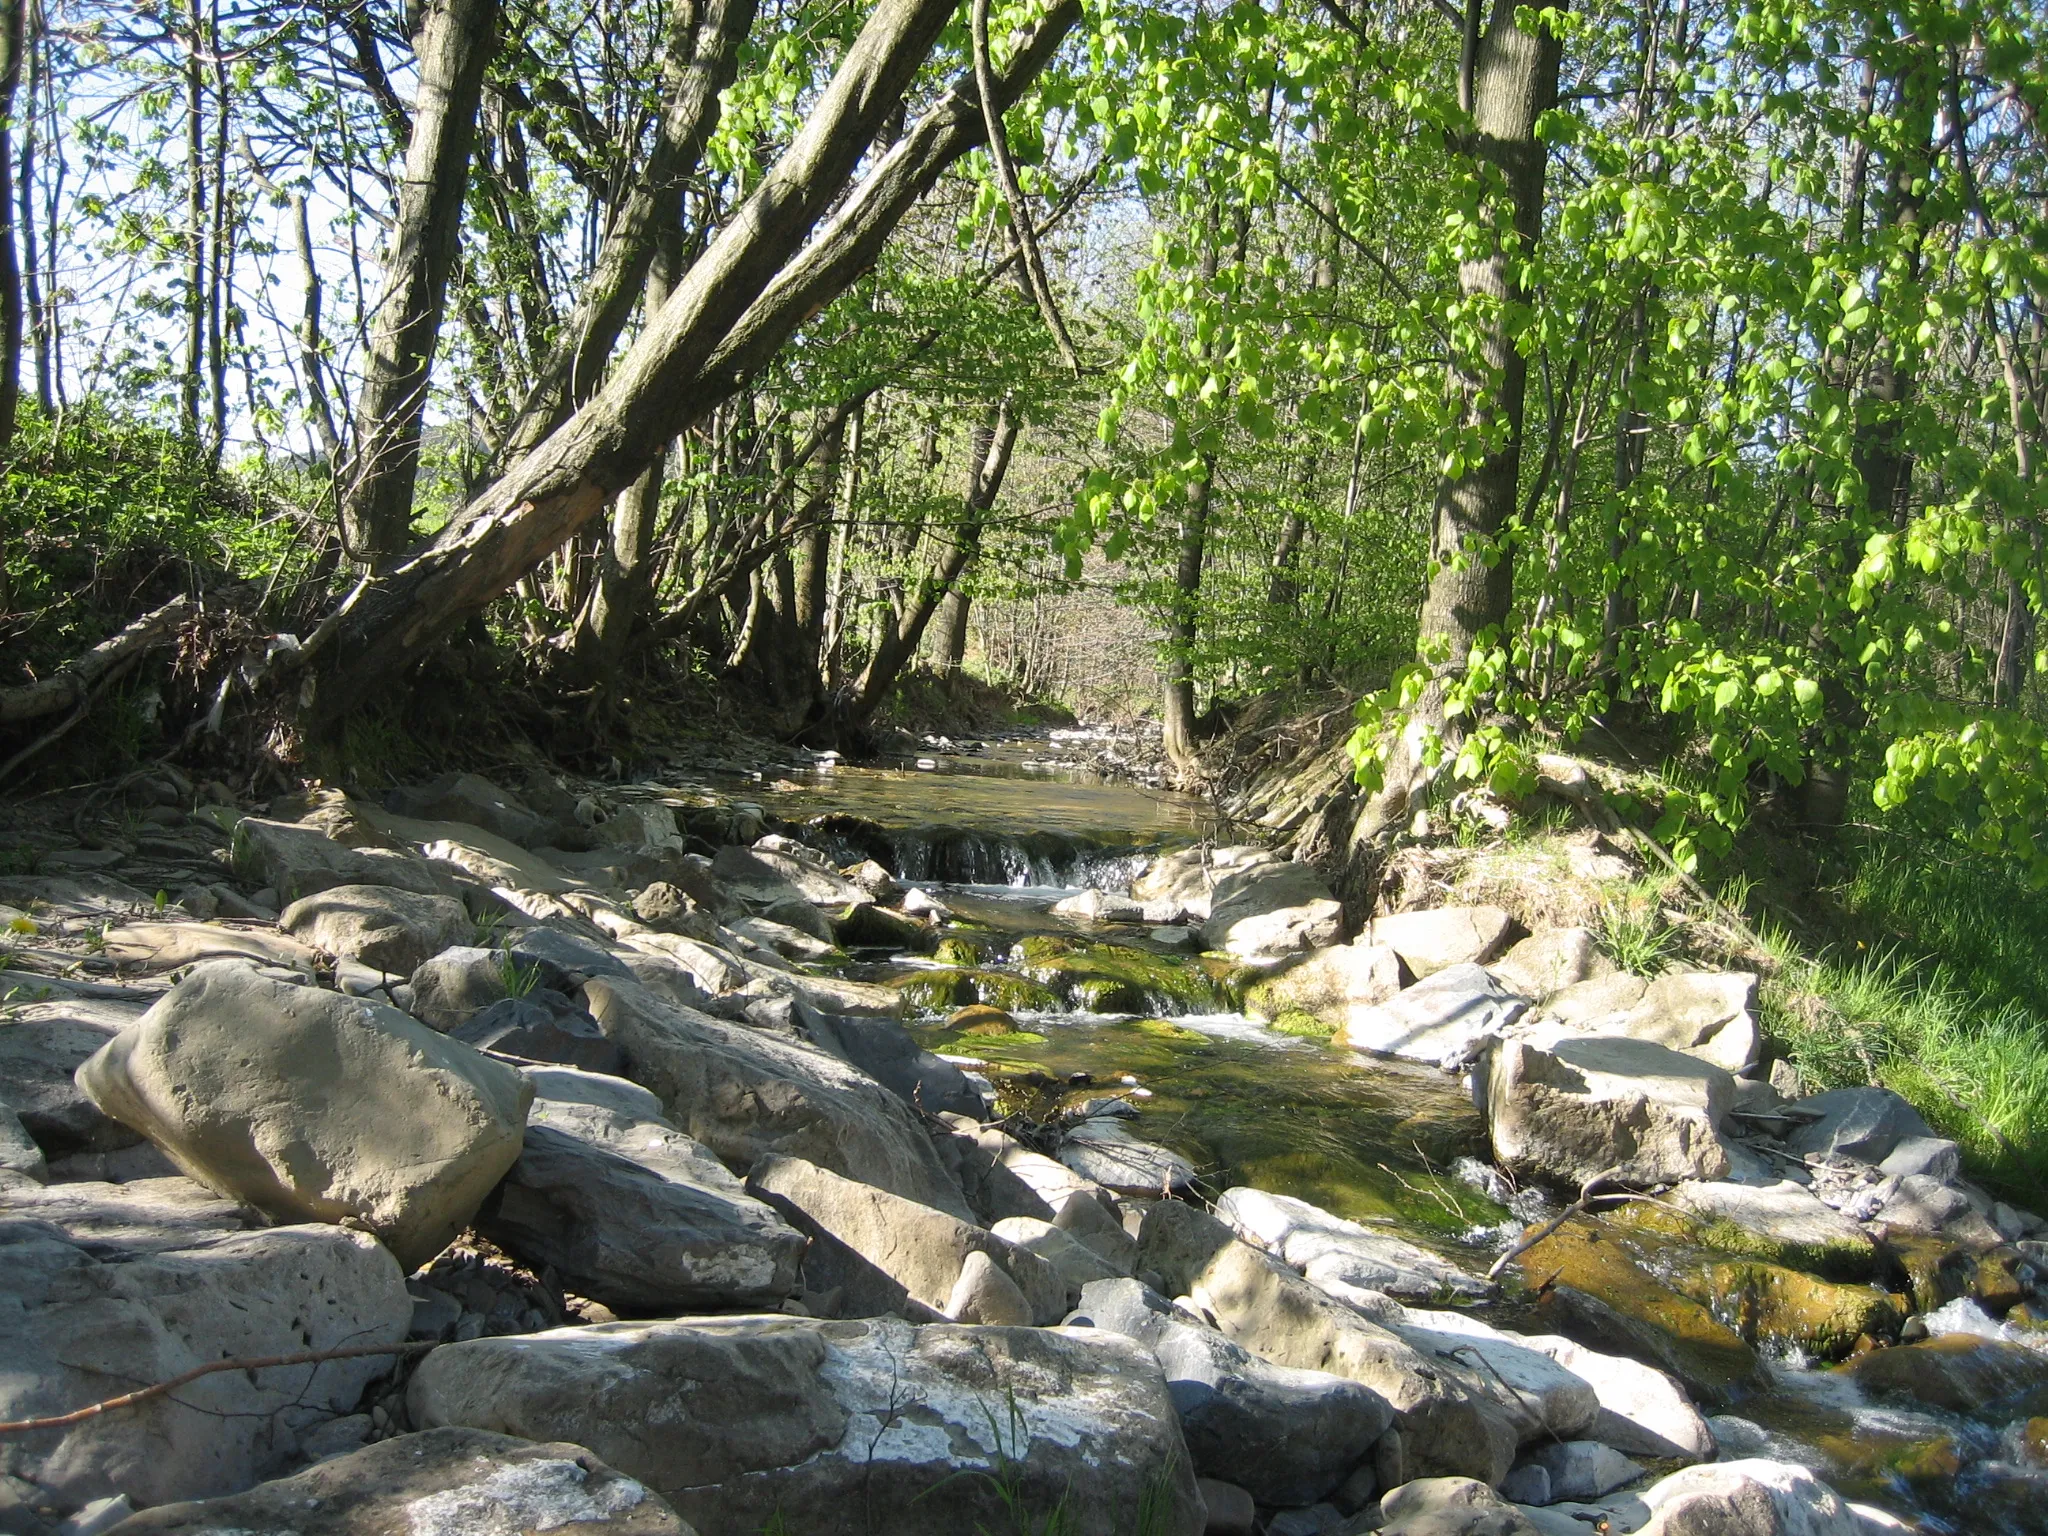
column 456, row 42
column 953, row 634
column 13, row 31
column 700, row 61
column 1177, row 725
column 731, row 314
column 1514, row 81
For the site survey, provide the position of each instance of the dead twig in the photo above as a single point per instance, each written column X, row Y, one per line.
column 258, row 1363
column 1578, row 1207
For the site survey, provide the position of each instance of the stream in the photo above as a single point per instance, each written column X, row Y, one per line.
column 1000, row 832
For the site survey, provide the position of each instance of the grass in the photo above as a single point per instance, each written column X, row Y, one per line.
column 1632, row 929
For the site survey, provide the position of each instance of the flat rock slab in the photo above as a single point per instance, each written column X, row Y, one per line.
column 883, row 1253
column 42, row 1046
column 1769, row 1498
column 1545, row 963
column 315, row 1106
column 1785, row 1223
column 1633, row 1110
column 1103, row 1151
column 1263, row 911
column 1328, row 1249
column 1643, row 1412
column 1437, row 939
column 104, row 1288
column 747, row 1094
column 1447, row 1020
column 636, row 1237
column 1708, row 1014
column 297, row 860
column 871, row 1425
column 169, row 946
column 445, row 1482
column 469, row 798
column 390, row 930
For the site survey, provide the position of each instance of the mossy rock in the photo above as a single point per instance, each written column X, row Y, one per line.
column 1014, row 993
column 1113, row 978
column 980, row 1018
column 1767, row 1303
column 1161, row 1029
column 997, row 1040
column 1597, row 1259
column 954, row 950
column 1831, row 1260
column 937, row 991
column 1305, row 1026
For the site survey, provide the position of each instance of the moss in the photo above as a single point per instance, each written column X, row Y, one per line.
column 1015, row 994
column 1112, row 978
column 1305, row 1026
column 1769, row 1303
column 936, row 991
column 1160, row 1029
column 957, row 951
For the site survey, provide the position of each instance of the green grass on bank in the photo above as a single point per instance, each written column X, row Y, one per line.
column 1922, row 966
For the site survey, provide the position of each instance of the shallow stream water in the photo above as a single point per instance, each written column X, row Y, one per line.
column 1001, row 833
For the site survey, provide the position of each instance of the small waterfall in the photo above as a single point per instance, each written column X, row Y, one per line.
column 969, row 856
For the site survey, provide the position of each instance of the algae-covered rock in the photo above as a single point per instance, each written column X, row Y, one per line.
column 1767, row 1303
column 1782, row 1223
column 1113, row 978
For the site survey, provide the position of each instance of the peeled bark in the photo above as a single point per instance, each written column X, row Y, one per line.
column 733, row 311
column 1514, row 79
column 455, row 46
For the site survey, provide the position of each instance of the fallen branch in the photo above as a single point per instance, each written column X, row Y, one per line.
column 71, row 685
column 1578, row 1207
column 259, row 1363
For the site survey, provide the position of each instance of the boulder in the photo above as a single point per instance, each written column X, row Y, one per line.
column 445, row 1482
column 1230, row 1509
column 1771, row 1304
column 542, row 1026
column 42, row 1046
column 792, row 943
column 1710, row 1015
column 1545, row 963
column 1102, row 1150
column 1928, row 1157
column 1092, row 1222
column 296, row 860
column 888, row 1053
column 1747, row 1498
column 1643, row 1412
column 747, row 1094
column 1447, row 1425
column 107, row 1287
column 1329, row 984
column 1584, row 1469
column 1635, row 1111
column 821, row 1426
column 1863, row 1125
column 564, row 961
column 315, row 1106
column 1288, row 1436
column 1092, row 906
column 391, row 930
column 636, row 1237
column 762, row 877
column 1442, row 937
column 1784, row 1223
column 172, row 946
column 1184, row 881
column 1327, row 1248
column 1960, row 1372
column 18, row 1150
column 1542, row 1400
column 1078, row 1264
column 984, row 1293
column 466, row 797
column 1264, row 911
column 449, row 987
column 1450, row 1506
column 1447, row 1020
column 884, row 1253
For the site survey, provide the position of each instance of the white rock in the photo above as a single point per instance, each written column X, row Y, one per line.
column 1327, row 1248
column 1628, row 1108
column 1447, row 1020
column 1441, row 937
column 1748, row 1498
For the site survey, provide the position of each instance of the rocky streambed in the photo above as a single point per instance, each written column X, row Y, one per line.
column 933, row 1149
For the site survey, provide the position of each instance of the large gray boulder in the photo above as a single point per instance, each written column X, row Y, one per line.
column 1329, row 984
column 389, row 930
column 1447, row 1020
column 1288, row 1436
column 1452, row 1421
column 1750, row 1497
column 883, row 1253
column 1266, row 911
column 18, row 1150
column 1863, row 1125
column 1786, row 1223
column 763, row 877
column 1450, row 1506
column 42, row 1046
column 296, row 860
column 1103, row 1150
column 1334, row 1253
column 469, row 798
column 747, row 1094
column 1550, row 960
column 887, row 1052
column 1441, row 937
column 104, row 1288
column 828, row 1426
column 1708, row 1014
column 636, row 1237
column 316, row 1106
column 1643, row 1412
column 445, row 1482
column 1636, row 1111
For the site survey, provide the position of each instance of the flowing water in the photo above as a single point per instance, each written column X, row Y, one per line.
column 1001, row 833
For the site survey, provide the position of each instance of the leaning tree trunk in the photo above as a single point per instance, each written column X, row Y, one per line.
column 12, row 33
column 456, row 42
column 701, row 59
column 1177, row 723
column 1514, row 81
column 726, row 321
